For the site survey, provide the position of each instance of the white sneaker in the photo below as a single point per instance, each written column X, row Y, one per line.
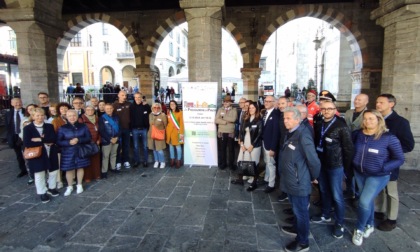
column 162, row 165
column 250, row 180
column 127, row 165
column 118, row 166
column 68, row 191
column 156, row 165
column 79, row 189
column 59, row 185
column 357, row 237
column 368, row 231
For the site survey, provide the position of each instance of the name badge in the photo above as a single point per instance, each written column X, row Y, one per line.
column 319, row 149
column 373, row 150
column 106, row 121
column 253, row 126
column 145, row 112
column 291, row 146
column 222, row 113
column 328, row 139
column 119, row 109
column 159, row 119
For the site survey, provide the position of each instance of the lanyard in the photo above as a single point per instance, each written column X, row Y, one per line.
column 323, row 131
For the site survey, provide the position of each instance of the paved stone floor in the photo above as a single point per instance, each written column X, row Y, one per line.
column 189, row 209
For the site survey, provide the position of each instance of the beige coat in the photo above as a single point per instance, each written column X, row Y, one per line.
column 226, row 120
column 160, row 121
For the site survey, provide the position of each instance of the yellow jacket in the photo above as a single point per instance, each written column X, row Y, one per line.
column 171, row 131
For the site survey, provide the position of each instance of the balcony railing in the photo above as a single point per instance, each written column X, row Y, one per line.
column 125, row 55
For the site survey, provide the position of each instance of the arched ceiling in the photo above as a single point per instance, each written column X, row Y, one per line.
column 83, row 6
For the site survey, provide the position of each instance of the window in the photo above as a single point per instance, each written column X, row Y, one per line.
column 178, row 38
column 184, row 41
column 12, row 40
column 263, row 63
column 171, row 35
column 127, row 47
column 106, row 47
column 178, row 54
column 104, row 29
column 171, row 49
column 76, row 41
column 90, row 40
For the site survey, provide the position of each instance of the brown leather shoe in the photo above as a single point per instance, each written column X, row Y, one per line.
column 178, row 163
column 172, row 162
column 387, row 225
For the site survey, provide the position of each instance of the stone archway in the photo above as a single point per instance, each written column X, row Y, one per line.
column 335, row 18
column 80, row 22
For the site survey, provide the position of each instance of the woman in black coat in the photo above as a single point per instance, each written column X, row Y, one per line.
column 42, row 134
column 70, row 136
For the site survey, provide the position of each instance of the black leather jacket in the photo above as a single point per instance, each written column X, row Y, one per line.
column 255, row 130
column 337, row 144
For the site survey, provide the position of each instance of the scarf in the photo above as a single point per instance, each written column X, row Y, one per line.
column 111, row 122
column 91, row 118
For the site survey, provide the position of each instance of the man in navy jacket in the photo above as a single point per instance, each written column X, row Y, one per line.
column 271, row 134
column 388, row 202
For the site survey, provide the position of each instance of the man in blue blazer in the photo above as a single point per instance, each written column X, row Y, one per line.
column 387, row 201
column 13, row 118
column 271, row 134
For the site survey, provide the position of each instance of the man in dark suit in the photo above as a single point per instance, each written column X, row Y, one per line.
column 13, row 119
column 387, row 201
column 271, row 134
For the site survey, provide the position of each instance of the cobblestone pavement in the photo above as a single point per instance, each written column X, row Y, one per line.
column 189, row 209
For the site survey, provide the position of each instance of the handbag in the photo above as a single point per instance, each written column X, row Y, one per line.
column 247, row 168
column 158, row 134
column 87, row 150
column 32, row 152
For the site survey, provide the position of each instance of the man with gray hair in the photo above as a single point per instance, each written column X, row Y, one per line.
column 299, row 167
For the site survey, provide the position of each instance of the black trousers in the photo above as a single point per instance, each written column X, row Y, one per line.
column 226, row 151
column 19, row 157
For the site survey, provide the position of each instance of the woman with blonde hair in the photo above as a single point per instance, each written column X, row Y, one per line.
column 38, row 133
column 70, row 136
column 158, row 121
column 376, row 153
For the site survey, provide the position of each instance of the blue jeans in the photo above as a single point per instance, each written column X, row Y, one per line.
column 300, row 206
column 143, row 134
column 124, row 146
column 330, row 181
column 369, row 188
column 159, row 157
column 178, row 151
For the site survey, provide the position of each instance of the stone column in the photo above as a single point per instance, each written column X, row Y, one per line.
column 204, row 40
column 250, row 77
column 401, row 62
column 37, row 25
column 147, row 79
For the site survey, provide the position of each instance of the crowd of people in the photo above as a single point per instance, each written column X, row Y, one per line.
column 310, row 146
column 303, row 147
column 63, row 133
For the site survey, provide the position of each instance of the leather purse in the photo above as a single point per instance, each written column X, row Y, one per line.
column 157, row 134
column 32, row 152
column 247, row 168
column 87, row 150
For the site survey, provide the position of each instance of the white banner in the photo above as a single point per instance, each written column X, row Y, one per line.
column 199, row 109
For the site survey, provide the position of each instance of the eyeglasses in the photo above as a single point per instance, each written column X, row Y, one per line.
column 42, row 97
column 156, row 107
column 268, row 101
column 328, row 109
